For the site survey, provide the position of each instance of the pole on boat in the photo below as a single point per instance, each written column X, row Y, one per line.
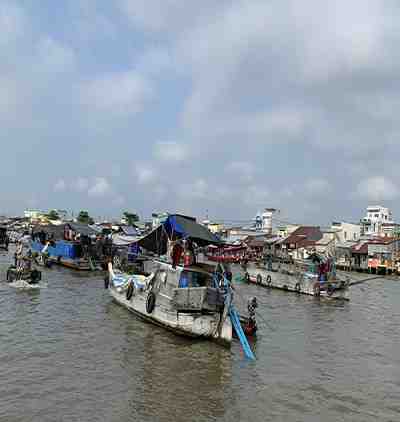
column 239, row 331
column 236, row 321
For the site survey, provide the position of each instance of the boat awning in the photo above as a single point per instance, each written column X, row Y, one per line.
column 177, row 227
column 121, row 240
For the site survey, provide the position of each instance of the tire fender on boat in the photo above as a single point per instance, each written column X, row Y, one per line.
column 247, row 277
column 150, row 302
column 297, row 287
column 329, row 289
column 259, row 279
column 269, row 280
column 106, row 281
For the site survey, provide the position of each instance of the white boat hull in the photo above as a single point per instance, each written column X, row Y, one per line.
column 189, row 324
column 288, row 282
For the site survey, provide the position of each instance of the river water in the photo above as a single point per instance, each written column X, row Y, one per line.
column 68, row 353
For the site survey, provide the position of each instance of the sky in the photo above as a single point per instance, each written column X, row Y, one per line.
column 200, row 107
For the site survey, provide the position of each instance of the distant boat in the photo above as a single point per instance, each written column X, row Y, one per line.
column 230, row 254
column 23, row 276
column 67, row 245
column 314, row 276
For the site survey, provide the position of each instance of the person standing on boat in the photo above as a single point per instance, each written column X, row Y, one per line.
column 176, row 254
column 18, row 254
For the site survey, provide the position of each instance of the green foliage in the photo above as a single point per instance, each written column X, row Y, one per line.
column 52, row 215
column 131, row 218
column 85, row 218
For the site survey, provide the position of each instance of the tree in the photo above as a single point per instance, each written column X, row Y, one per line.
column 53, row 215
column 130, row 218
column 85, row 218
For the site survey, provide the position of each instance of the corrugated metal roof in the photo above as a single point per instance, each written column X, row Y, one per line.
column 83, row 229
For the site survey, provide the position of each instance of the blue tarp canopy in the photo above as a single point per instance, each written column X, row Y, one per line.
column 177, row 227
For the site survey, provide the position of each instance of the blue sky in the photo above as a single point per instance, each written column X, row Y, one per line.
column 227, row 106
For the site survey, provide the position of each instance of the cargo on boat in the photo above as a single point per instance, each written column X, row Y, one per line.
column 314, row 276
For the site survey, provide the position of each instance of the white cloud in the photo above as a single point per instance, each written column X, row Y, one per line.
column 119, row 200
column 145, row 174
column 117, row 93
column 81, row 184
column 170, row 151
column 53, row 57
column 378, row 188
column 242, row 170
column 101, row 187
column 317, row 186
column 195, row 190
column 169, row 17
column 60, row 185
column 12, row 22
column 256, row 196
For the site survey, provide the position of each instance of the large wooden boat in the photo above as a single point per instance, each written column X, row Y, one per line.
column 173, row 290
column 183, row 300
column 314, row 276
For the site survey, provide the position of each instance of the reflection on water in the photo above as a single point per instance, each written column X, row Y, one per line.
column 69, row 353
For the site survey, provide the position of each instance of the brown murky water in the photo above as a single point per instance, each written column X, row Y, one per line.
column 68, row 353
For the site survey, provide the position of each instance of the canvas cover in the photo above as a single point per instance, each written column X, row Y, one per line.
column 177, row 227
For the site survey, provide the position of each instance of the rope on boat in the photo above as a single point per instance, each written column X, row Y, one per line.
column 353, row 283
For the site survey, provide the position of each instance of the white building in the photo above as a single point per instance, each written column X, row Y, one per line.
column 267, row 220
column 376, row 219
column 346, row 232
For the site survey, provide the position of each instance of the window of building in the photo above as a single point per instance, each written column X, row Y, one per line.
column 345, row 235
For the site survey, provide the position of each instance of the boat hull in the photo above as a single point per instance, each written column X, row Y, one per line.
column 194, row 325
column 292, row 283
column 63, row 256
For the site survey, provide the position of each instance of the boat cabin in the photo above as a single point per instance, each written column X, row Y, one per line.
column 191, row 289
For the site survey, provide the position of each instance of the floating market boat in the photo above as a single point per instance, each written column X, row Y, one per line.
column 68, row 245
column 4, row 239
column 176, row 292
column 22, row 275
column 314, row 276
column 184, row 300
